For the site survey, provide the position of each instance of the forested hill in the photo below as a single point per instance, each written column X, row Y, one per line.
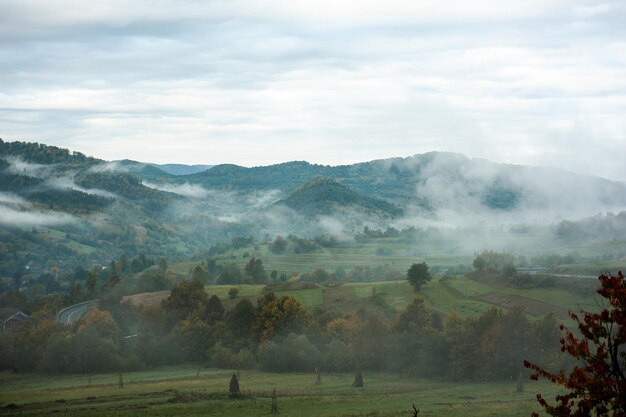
column 324, row 195
column 44, row 154
column 61, row 179
column 432, row 181
column 59, row 207
column 428, row 182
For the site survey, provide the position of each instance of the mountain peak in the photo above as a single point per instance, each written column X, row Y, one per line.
column 318, row 181
column 324, row 195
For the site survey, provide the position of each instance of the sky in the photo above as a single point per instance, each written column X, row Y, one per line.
column 259, row 82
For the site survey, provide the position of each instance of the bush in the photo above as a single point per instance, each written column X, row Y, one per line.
column 293, row 353
column 224, row 357
column 337, row 357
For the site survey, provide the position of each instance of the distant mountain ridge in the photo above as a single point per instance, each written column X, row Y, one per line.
column 426, row 182
column 431, row 181
column 182, row 169
column 57, row 205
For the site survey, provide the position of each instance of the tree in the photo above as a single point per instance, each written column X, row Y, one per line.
column 320, row 276
column 509, row 270
column 183, row 299
column 479, row 263
column 418, row 275
column 163, row 265
column 275, row 316
column 492, row 260
column 254, row 269
column 278, row 246
column 214, row 309
column 597, row 385
column 231, row 275
column 199, row 274
column 240, row 319
column 414, row 319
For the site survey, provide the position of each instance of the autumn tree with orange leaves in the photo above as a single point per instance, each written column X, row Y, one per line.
column 597, row 384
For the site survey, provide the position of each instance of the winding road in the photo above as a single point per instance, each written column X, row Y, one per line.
column 72, row 313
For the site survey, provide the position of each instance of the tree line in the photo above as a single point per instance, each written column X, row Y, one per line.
column 279, row 334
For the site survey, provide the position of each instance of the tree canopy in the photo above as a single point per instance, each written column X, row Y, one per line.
column 418, row 275
column 597, row 384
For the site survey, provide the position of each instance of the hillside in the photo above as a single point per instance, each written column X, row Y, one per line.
column 58, row 206
column 432, row 181
column 323, row 195
column 63, row 207
column 182, row 169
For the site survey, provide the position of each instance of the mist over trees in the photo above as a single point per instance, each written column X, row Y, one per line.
column 296, row 258
column 279, row 334
column 59, row 206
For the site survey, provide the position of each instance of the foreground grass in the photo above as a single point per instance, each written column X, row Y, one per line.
column 180, row 391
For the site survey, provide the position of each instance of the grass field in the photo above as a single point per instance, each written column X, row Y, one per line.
column 445, row 295
column 398, row 255
column 182, row 391
column 60, row 237
column 442, row 255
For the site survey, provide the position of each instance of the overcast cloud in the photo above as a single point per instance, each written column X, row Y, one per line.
column 259, row 82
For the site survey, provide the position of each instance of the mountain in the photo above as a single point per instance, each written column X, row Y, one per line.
column 323, row 195
column 142, row 170
column 63, row 207
column 151, row 172
column 431, row 182
column 57, row 178
column 181, row 169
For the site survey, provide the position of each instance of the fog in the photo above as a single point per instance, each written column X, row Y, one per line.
column 186, row 189
column 12, row 217
column 17, row 211
column 17, row 166
column 527, row 205
column 456, row 187
column 67, row 182
column 465, row 205
column 12, row 199
column 114, row 166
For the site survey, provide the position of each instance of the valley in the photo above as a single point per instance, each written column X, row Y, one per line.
column 142, row 289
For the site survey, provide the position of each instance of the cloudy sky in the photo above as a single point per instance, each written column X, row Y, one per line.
column 257, row 82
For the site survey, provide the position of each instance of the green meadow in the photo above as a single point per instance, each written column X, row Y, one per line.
column 188, row 391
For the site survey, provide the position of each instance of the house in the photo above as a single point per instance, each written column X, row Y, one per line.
column 12, row 318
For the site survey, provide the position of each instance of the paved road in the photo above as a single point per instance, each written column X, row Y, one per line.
column 546, row 271
column 72, row 313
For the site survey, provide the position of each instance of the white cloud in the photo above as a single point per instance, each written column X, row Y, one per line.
column 119, row 13
column 13, row 217
column 19, row 167
column 114, row 166
column 185, row 189
column 253, row 82
column 12, row 199
column 68, row 183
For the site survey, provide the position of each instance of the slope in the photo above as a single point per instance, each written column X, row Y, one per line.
column 323, row 195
